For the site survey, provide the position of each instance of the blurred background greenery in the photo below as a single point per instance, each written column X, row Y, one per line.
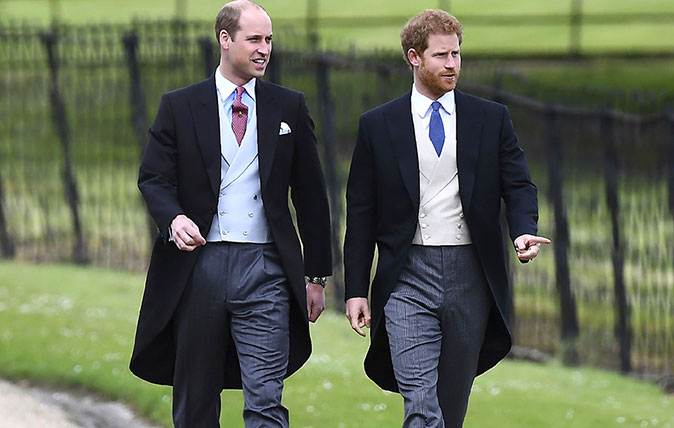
column 608, row 30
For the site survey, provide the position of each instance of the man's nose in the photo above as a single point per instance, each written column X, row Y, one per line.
column 264, row 48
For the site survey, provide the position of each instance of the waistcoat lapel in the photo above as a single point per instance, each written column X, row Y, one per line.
column 246, row 154
column 442, row 177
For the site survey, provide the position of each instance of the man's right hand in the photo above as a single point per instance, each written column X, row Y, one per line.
column 185, row 233
column 358, row 314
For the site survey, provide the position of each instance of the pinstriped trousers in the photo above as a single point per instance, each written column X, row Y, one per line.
column 237, row 290
column 438, row 310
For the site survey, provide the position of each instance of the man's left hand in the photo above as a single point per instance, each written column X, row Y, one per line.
column 315, row 300
column 528, row 246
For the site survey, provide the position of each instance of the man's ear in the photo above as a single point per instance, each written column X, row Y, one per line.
column 413, row 57
column 224, row 39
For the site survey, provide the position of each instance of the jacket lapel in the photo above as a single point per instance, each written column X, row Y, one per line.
column 268, row 125
column 207, row 127
column 469, row 122
column 401, row 127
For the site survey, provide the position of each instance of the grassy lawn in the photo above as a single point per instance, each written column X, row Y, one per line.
column 70, row 326
column 121, row 10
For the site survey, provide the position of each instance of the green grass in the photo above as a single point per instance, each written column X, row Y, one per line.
column 73, row 327
column 121, row 10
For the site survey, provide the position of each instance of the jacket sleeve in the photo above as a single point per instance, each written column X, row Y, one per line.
column 359, row 242
column 310, row 199
column 517, row 190
column 157, row 178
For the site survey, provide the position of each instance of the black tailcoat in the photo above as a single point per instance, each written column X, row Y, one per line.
column 180, row 174
column 383, row 208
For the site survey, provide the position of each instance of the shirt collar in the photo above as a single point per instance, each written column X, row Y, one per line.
column 421, row 104
column 226, row 87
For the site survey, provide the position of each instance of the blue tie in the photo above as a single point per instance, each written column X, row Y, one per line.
column 436, row 130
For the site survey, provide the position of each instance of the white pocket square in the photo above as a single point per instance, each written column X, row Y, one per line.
column 285, row 129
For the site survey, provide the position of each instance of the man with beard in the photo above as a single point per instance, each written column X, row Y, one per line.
column 428, row 175
column 226, row 304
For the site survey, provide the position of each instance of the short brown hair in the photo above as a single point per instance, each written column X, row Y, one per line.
column 229, row 15
column 414, row 34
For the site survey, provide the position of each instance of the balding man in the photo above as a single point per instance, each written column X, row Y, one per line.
column 226, row 304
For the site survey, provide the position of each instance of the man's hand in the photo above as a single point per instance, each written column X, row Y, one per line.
column 315, row 300
column 358, row 314
column 185, row 233
column 528, row 246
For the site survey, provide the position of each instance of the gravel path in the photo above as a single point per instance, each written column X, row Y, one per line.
column 26, row 406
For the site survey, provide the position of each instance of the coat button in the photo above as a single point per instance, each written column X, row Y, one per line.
column 245, row 233
column 250, row 215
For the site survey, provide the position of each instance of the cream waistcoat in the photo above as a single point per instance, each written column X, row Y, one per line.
column 441, row 220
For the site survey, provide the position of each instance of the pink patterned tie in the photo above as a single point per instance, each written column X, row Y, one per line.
column 239, row 115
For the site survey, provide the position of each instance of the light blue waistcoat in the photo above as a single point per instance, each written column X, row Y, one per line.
column 240, row 216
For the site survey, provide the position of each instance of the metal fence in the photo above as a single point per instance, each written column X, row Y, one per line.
column 75, row 104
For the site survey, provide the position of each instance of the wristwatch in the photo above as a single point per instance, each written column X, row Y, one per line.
column 322, row 280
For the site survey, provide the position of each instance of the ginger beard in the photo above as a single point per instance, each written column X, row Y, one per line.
column 437, row 83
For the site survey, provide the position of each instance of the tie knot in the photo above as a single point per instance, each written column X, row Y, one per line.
column 239, row 92
column 238, row 106
column 436, row 105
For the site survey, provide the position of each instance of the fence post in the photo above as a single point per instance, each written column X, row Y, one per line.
column 444, row 5
column 312, row 24
column 622, row 321
column 670, row 163
column 274, row 67
column 560, row 241
column 206, row 46
column 575, row 27
column 7, row 245
column 327, row 113
column 181, row 9
column 497, row 86
column 138, row 117
column 383, row 82
column 60, row 120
